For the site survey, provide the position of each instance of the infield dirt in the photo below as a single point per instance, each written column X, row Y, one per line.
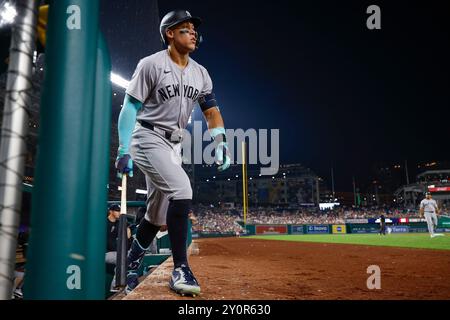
column 244, row 269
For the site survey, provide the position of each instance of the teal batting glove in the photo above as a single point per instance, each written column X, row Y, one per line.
column 222, row 152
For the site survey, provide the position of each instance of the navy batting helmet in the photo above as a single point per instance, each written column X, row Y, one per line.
column 175, row 17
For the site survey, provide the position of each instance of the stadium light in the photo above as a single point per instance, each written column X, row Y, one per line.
column 8, row 13
column 119, row 81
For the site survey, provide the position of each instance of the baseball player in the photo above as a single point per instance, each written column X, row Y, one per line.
column 159, row 101
column 429, row 208
column 382, row 225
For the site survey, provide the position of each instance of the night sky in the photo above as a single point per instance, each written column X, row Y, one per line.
column 340, row 94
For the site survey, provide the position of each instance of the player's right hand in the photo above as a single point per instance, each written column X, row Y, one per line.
column 124, row 165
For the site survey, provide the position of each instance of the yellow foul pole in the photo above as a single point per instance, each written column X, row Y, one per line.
column 244, row 182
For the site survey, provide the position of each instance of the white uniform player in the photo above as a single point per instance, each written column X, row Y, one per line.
column 162, row 93
column 429, row 209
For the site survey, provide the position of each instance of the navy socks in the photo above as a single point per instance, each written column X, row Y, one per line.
column 177, row 224
column 145, row 233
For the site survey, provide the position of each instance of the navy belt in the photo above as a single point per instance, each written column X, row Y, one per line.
column 168, row 135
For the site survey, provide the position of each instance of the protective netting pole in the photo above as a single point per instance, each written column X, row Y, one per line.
column 13, row 134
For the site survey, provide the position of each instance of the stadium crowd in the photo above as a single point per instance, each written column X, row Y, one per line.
column 216, row 220
column 221, row 220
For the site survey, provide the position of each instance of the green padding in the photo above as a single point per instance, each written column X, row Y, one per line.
column 164, row 242
column 251, row 229
column 58, row 261
column 98, row 194
column 152, row 260
column 155, row 259
column 444, row 222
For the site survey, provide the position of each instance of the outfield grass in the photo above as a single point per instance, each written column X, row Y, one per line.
column 409, row 240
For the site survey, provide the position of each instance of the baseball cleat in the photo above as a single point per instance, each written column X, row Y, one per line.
column 184, row 282
column 437, row 235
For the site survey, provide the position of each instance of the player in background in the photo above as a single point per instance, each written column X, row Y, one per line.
column 382, row 225
column 430, row 209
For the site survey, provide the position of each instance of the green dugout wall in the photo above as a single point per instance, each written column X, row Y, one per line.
column 68, row 226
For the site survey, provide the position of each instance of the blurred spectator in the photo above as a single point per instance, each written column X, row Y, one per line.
column 113, row 234
column 221, row 220
column 192, row 217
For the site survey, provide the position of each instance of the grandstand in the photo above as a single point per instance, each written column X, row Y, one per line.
column 435, row 181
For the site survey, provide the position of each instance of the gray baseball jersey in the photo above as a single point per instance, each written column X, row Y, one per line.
column 428, row 205
column 168, row 93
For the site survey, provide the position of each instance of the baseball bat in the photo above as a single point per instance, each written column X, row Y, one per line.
column 121, row 268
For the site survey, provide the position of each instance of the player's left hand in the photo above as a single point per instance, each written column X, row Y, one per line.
column 222, row 154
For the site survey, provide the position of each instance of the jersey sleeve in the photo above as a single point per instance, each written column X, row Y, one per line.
column 208, row 85
column 142, row 81
column 207, row 98
column 421, row 204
